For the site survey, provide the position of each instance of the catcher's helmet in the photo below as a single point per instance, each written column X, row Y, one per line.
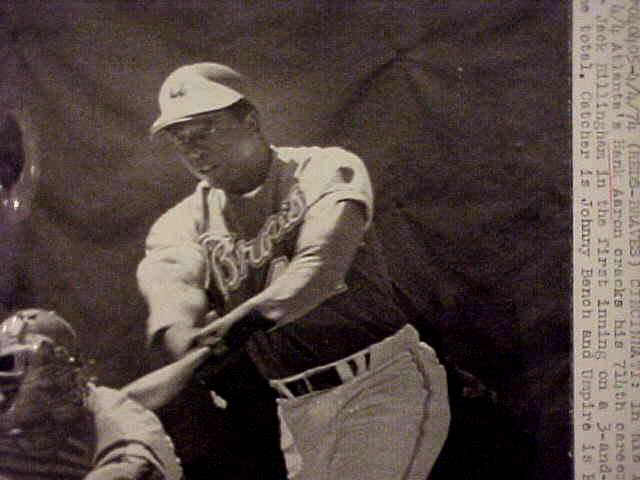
column 197, row 88
column 40, row 377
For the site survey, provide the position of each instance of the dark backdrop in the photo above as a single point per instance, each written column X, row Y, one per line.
column 460, row 111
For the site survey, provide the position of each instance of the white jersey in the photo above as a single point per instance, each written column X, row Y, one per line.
column 237, row 246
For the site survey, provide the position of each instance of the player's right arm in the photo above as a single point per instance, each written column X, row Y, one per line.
column 171, row 278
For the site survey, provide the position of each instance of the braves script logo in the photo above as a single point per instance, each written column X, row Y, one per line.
column 231, row 258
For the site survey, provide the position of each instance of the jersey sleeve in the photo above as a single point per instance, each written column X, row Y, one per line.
column 129, row 439
column 337, row 174
column 339, row 210
column 172, row 274
column 329, row 239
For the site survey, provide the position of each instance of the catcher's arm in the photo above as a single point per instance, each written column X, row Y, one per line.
column 130, row 442
column 159, row 387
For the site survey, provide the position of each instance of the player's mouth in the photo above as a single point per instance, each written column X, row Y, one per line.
column 207, row 169
column 200, row 164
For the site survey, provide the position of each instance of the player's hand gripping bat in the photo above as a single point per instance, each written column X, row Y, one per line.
column 159, row 387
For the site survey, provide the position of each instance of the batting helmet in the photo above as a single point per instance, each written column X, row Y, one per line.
column 197, row 88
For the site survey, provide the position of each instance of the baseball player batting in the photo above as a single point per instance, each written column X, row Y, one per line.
column 274, row 261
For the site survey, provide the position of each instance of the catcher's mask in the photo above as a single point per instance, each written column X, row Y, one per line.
column 41, row 381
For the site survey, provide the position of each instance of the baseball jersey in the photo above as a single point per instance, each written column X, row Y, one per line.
column 117, row 435
column 273, row 249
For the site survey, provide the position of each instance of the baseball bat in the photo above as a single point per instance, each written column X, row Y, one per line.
column 159, row 387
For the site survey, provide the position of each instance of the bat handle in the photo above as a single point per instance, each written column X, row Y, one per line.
column 196, row 355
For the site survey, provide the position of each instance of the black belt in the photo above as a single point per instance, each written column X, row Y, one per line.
column 326, row 378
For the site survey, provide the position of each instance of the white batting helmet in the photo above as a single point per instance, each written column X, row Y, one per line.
column 197, row 88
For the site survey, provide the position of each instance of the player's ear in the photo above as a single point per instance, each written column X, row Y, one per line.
column 252, row 121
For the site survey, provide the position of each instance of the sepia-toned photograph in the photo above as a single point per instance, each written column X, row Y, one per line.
column 286, row 240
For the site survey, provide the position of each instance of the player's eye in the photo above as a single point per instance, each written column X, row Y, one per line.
column 198, row 136
column 194, row 137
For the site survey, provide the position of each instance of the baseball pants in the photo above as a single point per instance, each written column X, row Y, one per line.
column 386, row 420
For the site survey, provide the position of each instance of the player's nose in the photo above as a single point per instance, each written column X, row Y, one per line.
column 198, row 159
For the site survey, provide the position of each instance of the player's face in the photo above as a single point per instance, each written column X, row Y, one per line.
column 228, row 153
